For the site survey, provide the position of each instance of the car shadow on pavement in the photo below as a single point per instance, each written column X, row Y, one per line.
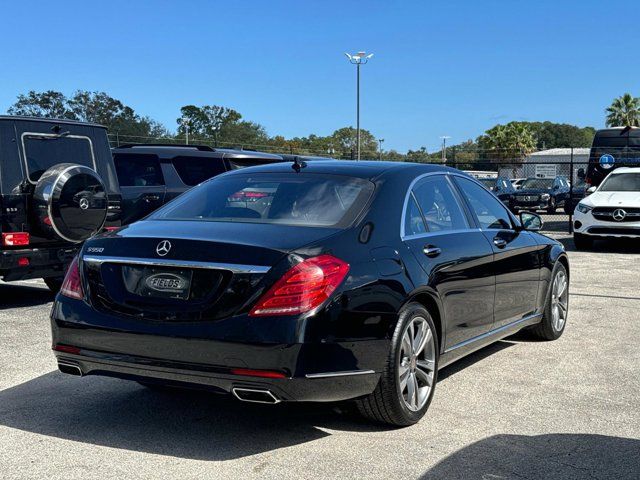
column 472, row 358
column 16, row 296
column 553, row 456
column 614, row 245
column 182, row 423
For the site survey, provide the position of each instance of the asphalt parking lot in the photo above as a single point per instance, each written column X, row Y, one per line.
column 518, row 409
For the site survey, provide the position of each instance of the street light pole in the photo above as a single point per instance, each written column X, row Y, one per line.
column 444, row 148
column 358, row 59
column 185, row 124
column 380, row 140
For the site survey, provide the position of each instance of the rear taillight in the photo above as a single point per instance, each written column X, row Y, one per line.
column 303, row 288
column 14, row 239
column 72, row 285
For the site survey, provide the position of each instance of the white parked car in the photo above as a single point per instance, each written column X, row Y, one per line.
column 611, row 210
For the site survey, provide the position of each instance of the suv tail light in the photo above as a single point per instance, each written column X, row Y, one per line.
column 72, row 285
column 14, row 239
column 304, row 287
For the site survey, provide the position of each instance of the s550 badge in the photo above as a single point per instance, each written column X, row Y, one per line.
column 166, row 282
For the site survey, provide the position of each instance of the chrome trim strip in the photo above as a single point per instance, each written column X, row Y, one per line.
column 346, row 373
column 232, row 267
column 440, row 233
column 493, row 332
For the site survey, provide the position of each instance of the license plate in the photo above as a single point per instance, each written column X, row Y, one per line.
column 158, row 282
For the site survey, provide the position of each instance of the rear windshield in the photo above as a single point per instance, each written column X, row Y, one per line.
column 43, row 151
column 543, row 183
column 621, row 182
column 293, row 199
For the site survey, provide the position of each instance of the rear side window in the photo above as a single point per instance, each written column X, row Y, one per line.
column 237, row 163
column 195, row 170
column 486, row 207
column 413, row 221
column 291, row 199
column 439, row 205
column 43, row 151
column 138, row 170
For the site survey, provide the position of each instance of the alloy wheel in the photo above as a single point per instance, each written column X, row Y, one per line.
column 417, row 364
column 559, row 301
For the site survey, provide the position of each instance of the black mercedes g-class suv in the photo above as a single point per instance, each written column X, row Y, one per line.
column 150, row 175
column 58, row 187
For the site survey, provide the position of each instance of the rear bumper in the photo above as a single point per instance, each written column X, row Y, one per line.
column 203, row 354
column 335, row 386
column 43, row 262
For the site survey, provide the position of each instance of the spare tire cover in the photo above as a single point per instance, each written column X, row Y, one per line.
column 70, row 202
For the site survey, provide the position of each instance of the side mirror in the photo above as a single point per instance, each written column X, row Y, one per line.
column 531, row 221
column 590, row 190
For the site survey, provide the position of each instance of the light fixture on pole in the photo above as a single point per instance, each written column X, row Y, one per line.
column 444, row 148
column 358, row 59
column 185, row 124
column 380, row 140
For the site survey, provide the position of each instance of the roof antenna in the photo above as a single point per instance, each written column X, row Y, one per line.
column 298, row 164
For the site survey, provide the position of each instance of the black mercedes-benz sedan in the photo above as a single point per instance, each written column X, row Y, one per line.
column 320, row 282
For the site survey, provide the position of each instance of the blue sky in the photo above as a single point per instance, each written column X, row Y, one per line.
column 454, row 67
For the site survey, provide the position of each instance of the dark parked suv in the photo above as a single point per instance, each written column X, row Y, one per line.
column 612, row 148
column 58, row 187
column 501, row 188
column 152, row 175
column 541, row 194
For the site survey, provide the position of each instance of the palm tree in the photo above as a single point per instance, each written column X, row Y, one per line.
column 624, row 112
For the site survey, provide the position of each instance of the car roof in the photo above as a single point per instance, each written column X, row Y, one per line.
column 21, row 118
column 174, row 150
column 367, row 169
column 620, row 170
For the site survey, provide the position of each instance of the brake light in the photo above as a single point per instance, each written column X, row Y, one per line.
column 304, row 287
column 72, row 285
column 14, row 239
column 66, row 349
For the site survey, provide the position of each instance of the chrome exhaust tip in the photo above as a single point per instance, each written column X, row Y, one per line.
column 254, row 395
column 70, row 368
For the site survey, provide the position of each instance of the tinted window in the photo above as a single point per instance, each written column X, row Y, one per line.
column 413, row 222
column 43, row 151
column 439, row 205
column 621, row 182
column 138, row 170
column 541, row 183
column 195, row 170
column 237, row 163
column 487, row 208
column 304, row 199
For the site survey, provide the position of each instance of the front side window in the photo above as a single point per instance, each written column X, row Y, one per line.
column 309, row 200
column 138, row 170
column 621, row 182
column 43, row 151
column 486, row 207
column 195, row 170
column 439, row 205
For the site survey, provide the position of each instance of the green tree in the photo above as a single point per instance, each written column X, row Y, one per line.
column 512, row 141
column 206, row 122
column 345, row 141
column 624, row 111
column 50, row 104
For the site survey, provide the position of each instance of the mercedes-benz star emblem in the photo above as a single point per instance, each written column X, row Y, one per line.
column 163, row 248
column 619, row 214
column 84, row 203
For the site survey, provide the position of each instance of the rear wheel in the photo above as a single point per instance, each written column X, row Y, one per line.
column 556, row 308
column 408, row 381
column 54, row 283
column 583, row 242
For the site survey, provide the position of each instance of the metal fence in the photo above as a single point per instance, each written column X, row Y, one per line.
column 553, row 179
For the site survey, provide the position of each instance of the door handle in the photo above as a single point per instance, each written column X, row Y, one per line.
column 151, row 197
column 431, row 251
column 499, row 242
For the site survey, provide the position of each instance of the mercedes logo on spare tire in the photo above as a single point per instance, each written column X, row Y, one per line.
column 70, row 202
column 163, row 248
column 619, row 214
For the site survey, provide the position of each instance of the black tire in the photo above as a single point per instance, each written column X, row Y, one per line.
column 582, row 242
column 547, row 329
column 385, row 404
column 54, row 283
column 551, row 209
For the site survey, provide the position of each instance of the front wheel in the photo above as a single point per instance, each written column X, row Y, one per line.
column 408, row 381
column 556, row 308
